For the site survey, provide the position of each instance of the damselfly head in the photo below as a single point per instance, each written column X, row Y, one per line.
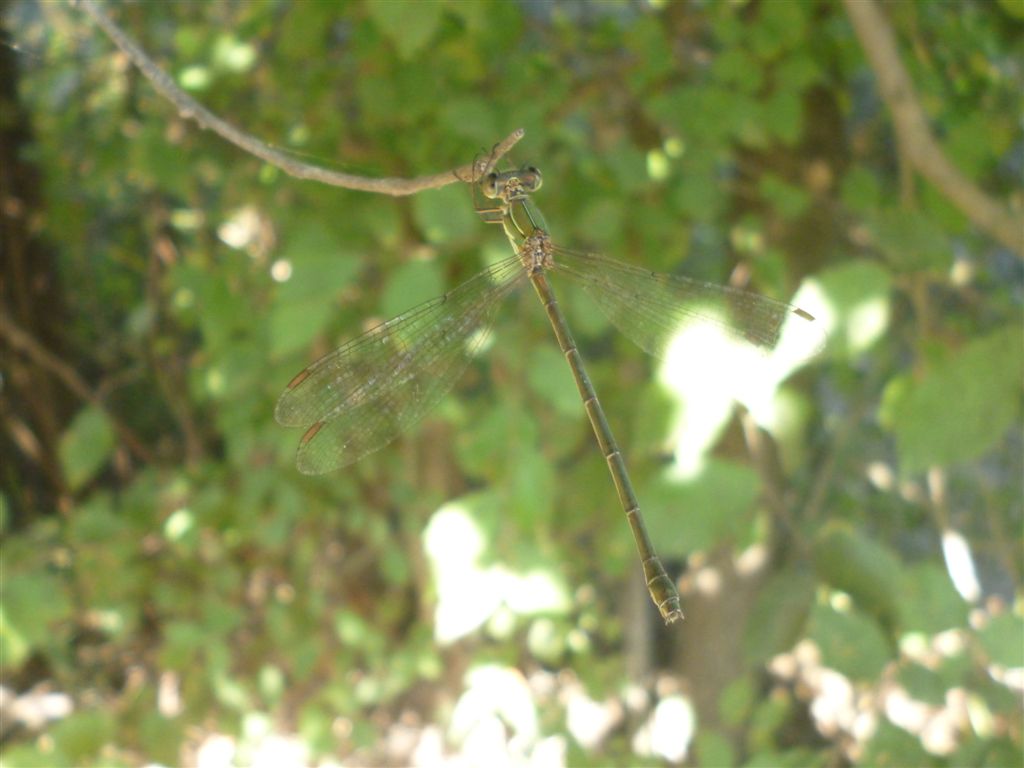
column 511, row 185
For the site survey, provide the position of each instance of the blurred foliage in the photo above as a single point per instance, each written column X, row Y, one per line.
column 870, row 547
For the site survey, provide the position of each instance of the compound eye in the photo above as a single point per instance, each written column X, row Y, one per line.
column 533, row 178
column 490, row 185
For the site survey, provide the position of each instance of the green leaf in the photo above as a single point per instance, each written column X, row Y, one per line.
column 736, row 68
column 713, row 748
column 1013, row 9
column 35, row 755
column 923, row 684
column 445, row 214
column 798, row 71
column 152, row 158
column 644, row 38
column 96, row 521
column 530, row 481
column 314, row 727
column 929, row 602
column 893, row 747
column 850, row 643
column 504, row 433
column 303, row 304
column 410, row 285
column 1003, row 639
column 82, row 735
column 223, row 312
column 409, row 24
column 736, row 701
column 779, row 617
column 472, row 118
column 768, row 716
column 321, row 265
column 652, row 419
column 913, row 241
column 783, row 113
column 684, row 516
column 791, row 201
column 160, row 737
column 780, row 26
column 183, row 642
column 294, row 325
column 961, row 408
column 86, row 446
column 989, row 751
column 790, row 758
column 977, row 141
column 303, row 23
column 15, row 645
column 694, row 196
column 601, row 219
column 860, row 190
column 550, row 378
column 847, row 560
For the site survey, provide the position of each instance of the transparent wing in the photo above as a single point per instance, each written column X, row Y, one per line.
column 362, row 395
column 652, row 308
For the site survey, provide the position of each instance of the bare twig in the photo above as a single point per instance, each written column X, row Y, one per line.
column 190, row 108
column 21, row 340
column 914, row 134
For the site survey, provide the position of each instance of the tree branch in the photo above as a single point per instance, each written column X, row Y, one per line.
column 911, row 124
column 191, row 109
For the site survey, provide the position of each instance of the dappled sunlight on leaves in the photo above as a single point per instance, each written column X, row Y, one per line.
column 669, row 730
column 708, row 370
column 470, row 593
column 841, row 512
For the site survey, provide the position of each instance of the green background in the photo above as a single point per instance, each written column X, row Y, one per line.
column 169, row 578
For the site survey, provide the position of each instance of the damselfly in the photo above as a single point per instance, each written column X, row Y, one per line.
column 361, row 396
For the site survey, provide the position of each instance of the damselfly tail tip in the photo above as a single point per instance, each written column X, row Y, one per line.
column 672, row 616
